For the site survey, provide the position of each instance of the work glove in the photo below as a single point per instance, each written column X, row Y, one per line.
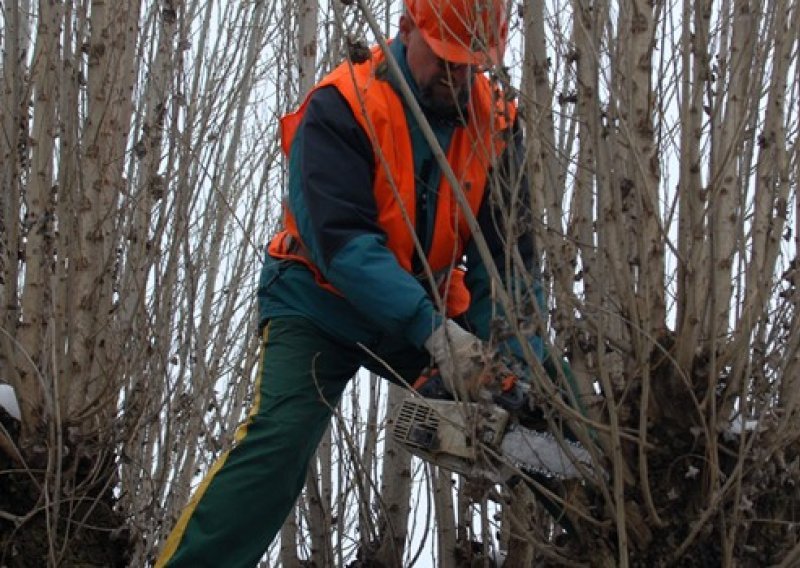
column 460, row 358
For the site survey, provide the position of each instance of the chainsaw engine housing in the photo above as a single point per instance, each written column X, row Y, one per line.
column 453, row 435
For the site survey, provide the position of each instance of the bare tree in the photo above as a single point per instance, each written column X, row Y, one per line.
column 117, row 316
column 671, row 157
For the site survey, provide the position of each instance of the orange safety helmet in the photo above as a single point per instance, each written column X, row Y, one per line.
column 472, row 32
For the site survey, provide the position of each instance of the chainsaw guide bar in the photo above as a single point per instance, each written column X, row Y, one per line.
column 483, row 441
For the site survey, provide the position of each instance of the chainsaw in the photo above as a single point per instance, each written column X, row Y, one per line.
column 496, row 438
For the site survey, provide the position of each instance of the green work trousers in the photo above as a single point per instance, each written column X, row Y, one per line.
column 244, row 499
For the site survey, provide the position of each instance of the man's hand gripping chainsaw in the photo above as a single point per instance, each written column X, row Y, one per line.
column 495, row 438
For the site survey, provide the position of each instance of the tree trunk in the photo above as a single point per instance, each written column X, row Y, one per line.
column 395, row 491
column 446, row 536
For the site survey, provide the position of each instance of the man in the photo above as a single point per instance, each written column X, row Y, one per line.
column 344, row 285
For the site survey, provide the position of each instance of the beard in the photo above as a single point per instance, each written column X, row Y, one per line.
column 445, row 104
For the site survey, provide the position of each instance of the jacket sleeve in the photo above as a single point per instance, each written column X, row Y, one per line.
column 505, row 218
column 330, row 193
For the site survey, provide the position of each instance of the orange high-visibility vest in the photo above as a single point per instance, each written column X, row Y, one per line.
column 473, row 151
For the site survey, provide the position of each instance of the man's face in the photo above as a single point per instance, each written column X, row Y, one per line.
column 443, row 86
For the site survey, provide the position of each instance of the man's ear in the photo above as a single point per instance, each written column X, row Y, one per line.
column 406, row 25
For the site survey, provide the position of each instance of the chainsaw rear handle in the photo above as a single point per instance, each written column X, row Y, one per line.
column 512, row 400
column 504, row 387
column 430, row 384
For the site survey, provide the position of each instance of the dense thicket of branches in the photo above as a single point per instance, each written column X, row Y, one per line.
column 669, row 172
column 141, row 177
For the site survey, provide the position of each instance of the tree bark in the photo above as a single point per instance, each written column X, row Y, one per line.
column 395, row 490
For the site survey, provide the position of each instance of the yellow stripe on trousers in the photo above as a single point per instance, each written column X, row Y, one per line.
column 175, row 537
